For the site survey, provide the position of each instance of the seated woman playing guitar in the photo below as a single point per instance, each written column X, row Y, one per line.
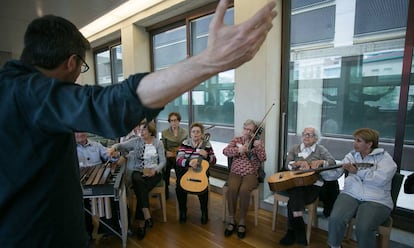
column 304, row 156
column 194, row 157
column 366, row 194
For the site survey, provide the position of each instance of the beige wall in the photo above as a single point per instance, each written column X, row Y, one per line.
column 258, row 83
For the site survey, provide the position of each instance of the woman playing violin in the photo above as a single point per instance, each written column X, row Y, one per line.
column 247, row 154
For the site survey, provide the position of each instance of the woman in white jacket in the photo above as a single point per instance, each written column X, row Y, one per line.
column 367, row 191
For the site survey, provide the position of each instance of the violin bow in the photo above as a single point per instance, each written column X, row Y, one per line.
column 260, row 124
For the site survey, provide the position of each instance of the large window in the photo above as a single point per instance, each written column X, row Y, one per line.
column 211, row 102
column 108, row 64
column 352, row 79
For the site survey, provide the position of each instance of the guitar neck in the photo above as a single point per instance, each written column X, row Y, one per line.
column 358, row 165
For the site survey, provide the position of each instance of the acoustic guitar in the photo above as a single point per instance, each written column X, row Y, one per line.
column 285, row 180
column 195, row 180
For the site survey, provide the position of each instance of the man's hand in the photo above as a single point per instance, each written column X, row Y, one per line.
column 112, row 152
column 230, row 46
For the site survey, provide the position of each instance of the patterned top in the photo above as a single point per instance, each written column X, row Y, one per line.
column 141, row 155
column 187, row 152
column 246, row 163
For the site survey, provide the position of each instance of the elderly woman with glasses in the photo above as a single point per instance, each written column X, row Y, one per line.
column 247, row 152
column 303, row 156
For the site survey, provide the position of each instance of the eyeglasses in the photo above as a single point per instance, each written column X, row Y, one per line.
column 84, row 66
column 308, row 135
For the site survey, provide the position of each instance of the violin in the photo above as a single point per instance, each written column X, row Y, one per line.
column 257, row 134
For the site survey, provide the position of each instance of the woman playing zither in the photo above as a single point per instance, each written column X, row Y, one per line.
column 307, row 155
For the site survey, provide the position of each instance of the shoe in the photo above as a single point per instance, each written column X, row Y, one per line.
column 183, row 217
column 241, row 231
column 141, row 233
column 149, row 223
column 204, row 218
column 229, row 229
column 130, row 232
column 289, row 238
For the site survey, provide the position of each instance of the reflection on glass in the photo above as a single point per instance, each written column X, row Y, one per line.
column 118, row 74
column 218, row 105
column 170, row 48
column 109, row 66
column 348, row 75
column 103, row 68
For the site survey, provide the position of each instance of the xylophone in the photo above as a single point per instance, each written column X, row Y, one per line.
column 99, row 184
column 103, row 179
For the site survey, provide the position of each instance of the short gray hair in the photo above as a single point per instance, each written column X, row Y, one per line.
column 250, row 122
column 316, row 131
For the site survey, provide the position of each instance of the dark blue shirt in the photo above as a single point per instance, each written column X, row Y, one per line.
column 40, row 195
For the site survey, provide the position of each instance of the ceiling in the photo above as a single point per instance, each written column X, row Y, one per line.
column 15, row 15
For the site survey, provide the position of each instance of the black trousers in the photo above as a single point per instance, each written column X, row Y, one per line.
column 142, row 186
column 182, row 194
column 299, row 197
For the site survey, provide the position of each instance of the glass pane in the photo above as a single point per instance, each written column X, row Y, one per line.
column 170, row 48
column 117, row 63
column 406, row 200
column 380, row 15
column 213, row 100
column 313, row 26
column 103, row 68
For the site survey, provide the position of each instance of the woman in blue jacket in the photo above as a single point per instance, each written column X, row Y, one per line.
column 367, row 191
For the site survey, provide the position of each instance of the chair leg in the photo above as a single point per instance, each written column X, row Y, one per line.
column 256, row 206
column 177, row 211
column 311, row 213
column 163, row 206
column 274, row 215
column 224, row 203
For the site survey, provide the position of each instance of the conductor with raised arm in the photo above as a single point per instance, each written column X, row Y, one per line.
column 40, row 195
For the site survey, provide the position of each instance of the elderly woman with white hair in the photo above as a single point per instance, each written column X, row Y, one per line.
column 303, row 156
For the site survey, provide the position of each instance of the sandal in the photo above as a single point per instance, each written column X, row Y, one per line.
column 229, row 229
column 241, row 231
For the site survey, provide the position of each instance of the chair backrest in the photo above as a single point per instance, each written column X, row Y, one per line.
column 396, row 186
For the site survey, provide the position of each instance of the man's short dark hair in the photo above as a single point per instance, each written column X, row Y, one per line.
column 50, row 40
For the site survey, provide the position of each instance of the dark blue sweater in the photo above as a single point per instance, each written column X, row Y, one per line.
column 40, row 195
